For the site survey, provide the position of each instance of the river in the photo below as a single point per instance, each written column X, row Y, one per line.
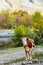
column 6, row 35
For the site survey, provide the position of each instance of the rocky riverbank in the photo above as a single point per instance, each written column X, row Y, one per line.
column 9, row 57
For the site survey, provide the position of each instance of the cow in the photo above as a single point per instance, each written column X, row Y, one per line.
column 29, row 46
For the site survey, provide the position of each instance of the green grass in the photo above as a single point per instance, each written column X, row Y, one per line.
column 39, row 46
column 38, row 55
column 10, row 50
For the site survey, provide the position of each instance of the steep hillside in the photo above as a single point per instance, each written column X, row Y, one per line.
column 27, row 5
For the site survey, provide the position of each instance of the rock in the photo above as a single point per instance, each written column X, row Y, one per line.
column 25, row 63
column 35, row 61
column 41, row 60
column 31, row 62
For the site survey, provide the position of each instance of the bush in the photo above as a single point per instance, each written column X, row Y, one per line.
column 36, row 38
column 19, row 32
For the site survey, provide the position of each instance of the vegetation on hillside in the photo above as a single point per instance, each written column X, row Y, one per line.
column 24, row 25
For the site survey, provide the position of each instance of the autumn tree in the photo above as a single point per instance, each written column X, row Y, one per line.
column 22, row 17
column 4, row 15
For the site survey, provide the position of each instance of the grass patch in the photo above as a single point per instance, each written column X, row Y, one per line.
column 38, row 55
column 39, row 46
column 10, row 50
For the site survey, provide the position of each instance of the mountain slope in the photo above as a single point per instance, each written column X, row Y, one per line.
column 27, row 5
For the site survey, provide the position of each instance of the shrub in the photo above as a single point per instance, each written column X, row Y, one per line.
column 19, row 32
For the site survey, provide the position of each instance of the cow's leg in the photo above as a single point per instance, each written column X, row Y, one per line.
column 26, row 52
column 30, row 54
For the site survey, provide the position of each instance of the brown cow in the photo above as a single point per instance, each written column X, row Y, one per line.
column 29, row 47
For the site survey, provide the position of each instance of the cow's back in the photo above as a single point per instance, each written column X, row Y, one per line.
column 29, row 43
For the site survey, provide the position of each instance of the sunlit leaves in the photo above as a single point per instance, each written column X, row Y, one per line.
column 37, row 20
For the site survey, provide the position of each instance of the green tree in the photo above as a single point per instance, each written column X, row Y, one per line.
column 38, row 25
column 38, row 21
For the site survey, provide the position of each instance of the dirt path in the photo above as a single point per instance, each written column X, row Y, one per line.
column 4, row 58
